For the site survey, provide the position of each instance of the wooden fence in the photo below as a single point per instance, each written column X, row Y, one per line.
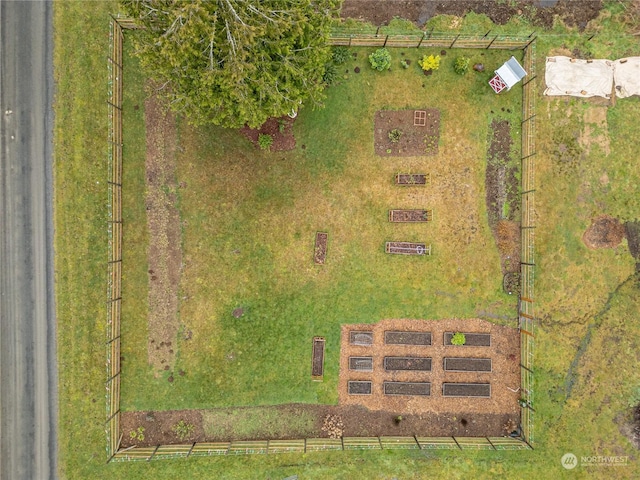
column 317, row 445
column 526, row 315
column 114, row 267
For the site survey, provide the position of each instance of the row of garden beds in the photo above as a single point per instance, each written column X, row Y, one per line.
column 360, row 387
column 365, row 338
column 422, row 364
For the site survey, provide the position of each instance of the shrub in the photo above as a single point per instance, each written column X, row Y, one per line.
column 404, row 64
column 183, row 430
column 340, row 55
column 380, row 59
column 394, row 135
column 461, row 65
column 265, row 141
column 431, row 62
column 330, row 74
column 458, row 338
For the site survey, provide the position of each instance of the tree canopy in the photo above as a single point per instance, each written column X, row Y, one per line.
column 234, row 62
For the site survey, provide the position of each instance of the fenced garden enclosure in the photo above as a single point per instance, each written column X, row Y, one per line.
column 526, row 315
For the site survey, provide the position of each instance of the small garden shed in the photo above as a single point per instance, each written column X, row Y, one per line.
column 510, row 73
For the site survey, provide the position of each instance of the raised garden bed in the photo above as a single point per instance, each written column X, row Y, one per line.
column 406, row 133
column 466, row 390
column 360, row 337
column 467, row 364
column 422, row 364
column 408, row 248
column 362, row 364
column 407, row 338
column 472, row 339
column 409, row 216
column 320, row 249
column 409, row 179
column 317, row 364
column 407, row 388
column 359, row 388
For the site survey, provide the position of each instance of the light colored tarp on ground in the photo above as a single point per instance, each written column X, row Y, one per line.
column 578, row 78
column 626, row 75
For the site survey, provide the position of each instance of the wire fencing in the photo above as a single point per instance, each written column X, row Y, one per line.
column 526, row 303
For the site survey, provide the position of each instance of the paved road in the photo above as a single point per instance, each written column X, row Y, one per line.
column 28, row 382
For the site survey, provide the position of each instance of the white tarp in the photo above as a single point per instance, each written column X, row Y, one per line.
column 627, row 76
column 578, row 78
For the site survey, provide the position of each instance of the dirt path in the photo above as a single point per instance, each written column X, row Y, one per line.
column 165, row 250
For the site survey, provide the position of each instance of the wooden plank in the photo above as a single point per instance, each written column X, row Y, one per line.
column 317, row 361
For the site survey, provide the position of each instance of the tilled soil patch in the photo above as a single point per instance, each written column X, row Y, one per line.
column 280, row 129
column 604, row 232
column 165, row 251
column 410, row 140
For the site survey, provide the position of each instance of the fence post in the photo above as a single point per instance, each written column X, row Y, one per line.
column 532, row 78
column 485, row 35
column 377, row 30
column 421, row 39
column 530, row 41
column 491, row 42
column 454, row 41
column 350, row 37
column 385, row 41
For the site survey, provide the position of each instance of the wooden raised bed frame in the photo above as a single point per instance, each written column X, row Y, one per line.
column 317, row 359
column 392, row 337
column 320, row 248
column 467, row 364
column 465, row 390
column 410, row 216
column 408, row 387
column 473, row 339
column 408, row 248
column 411, row 179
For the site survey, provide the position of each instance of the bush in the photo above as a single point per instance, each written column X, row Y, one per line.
column 340, row 55
column 265, row 141
column 380, row 59
column 330, row 76
column 431, row 62
column 394, row 135
column 183, row 430
column 461, row 65
column 458, row 338
column 404, row 64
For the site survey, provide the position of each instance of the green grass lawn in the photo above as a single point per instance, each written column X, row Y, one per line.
column 587, row 339
column 249, row 220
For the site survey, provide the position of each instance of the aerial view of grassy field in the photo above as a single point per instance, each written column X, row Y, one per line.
column 222, row 296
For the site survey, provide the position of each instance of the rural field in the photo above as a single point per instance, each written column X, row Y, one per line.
column 221, row 294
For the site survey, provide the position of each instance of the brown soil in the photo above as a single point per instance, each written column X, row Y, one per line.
column 632, row 232
column 504, row 352
column 629, row 425
column 604, row 232
column 317, row 362
column 381, row 12
column 411, row 179
column 403, row 216
column 502, row 186
column 158, row 428
column 414, row 140
column 280, row 129
column 320, row 249
column 163, row 219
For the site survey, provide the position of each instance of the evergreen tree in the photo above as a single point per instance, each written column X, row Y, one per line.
column 234, row 62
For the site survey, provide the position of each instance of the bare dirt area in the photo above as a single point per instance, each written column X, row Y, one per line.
column 504, row 378
column 398, row 133
column 604, row 232
column 280, row 129
column 632, row 232
column 381, row 12
column 165, row 251
column 161, row 428
column 503, row 205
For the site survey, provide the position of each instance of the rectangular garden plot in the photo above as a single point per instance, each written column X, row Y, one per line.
column 408, row 179
column 408, row 248
column 406, row 133
column 320, row 249
column 466, row 390
column 471, row 339
column 362, row 338
column 422, row 364
column 362, row 364
column 410, row 216
column 359, row 388
column 467, row 364
column 407, row 388
column 317, row 364
column 407, row 338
